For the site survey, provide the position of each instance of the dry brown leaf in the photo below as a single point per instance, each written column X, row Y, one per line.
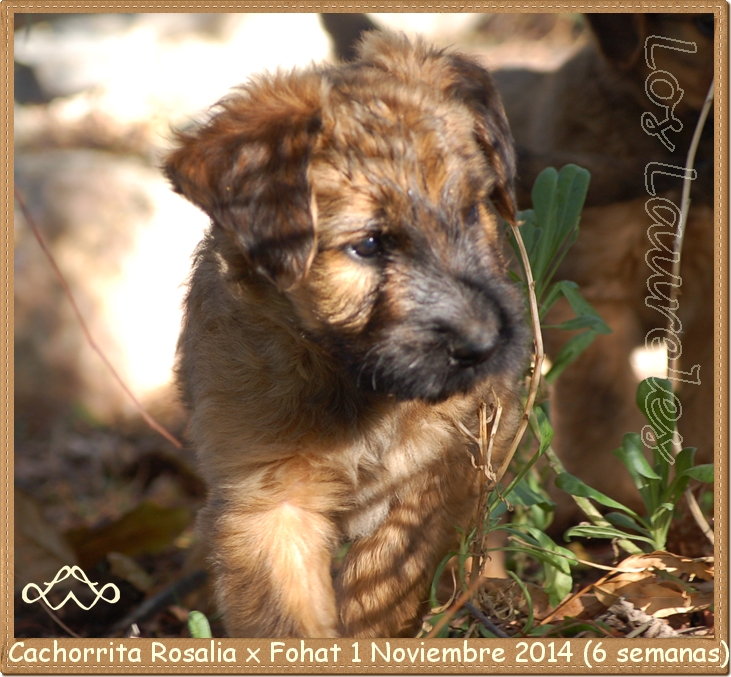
column 694, row 568
column 653, row 583
column 583, row 605
column 146, row 529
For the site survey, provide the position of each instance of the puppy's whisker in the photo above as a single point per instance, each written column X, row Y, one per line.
column 414, row 363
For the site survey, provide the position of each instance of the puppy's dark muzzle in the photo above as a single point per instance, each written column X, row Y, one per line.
column 456, row 331
column 470, row 344
column 465, row 352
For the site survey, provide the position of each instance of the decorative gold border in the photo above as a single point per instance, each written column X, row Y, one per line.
column 584, row 651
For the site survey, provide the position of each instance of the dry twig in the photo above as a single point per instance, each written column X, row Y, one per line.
column 57, row 620
column 695, row 509
column 465, row 597
column 538, row 361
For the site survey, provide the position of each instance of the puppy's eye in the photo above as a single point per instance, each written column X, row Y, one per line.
column 473, row 216
column 704, row 24
column 366, row 248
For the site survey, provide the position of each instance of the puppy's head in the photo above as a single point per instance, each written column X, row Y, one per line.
column 369, row 195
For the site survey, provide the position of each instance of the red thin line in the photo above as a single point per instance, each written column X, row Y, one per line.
column 41, row 241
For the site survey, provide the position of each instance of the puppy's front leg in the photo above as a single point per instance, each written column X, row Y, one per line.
column 386, row 576
column 273, row 542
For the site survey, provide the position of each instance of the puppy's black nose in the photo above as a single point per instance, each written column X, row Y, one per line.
column 472, row 351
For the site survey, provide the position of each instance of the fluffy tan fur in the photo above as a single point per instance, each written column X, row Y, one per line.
column 348, row 311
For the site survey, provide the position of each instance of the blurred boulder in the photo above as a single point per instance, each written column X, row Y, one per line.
column 123, row 241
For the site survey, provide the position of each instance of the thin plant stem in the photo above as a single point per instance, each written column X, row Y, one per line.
column 538, row 362
column 58, row 621
column 451, row 612
column 685, row 208
column 695, row 509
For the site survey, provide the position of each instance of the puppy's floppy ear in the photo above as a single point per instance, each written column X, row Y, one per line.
column 621, row 37
column 473, row 85
column 457, row 76
column 247, row 168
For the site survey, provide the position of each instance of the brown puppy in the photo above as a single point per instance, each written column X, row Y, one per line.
column 348, row 311
column 590, row 112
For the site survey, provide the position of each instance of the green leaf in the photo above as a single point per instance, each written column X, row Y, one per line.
column 650, row 485
column 497, row 509
column 580, row 305
column 198, row 625
column 633, row 458
column 583, row 322
column 561, row 557
column 544, row 196
column 569, row 352
column 551, row 227
column 557, row 202
column 620, row 519
column 574, row 486
column 528, row 602
column 545, row 435
column 684, row 460
column 545, row 429
column 433, row 602
column 514, row 277
column 593, row 531
column 661, row 408
column 556, row 560
column 702, row 473
column 551, row 296
column 522, row 494
column 573, row 184
column 434, row 621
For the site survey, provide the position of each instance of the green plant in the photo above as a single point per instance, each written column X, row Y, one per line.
column 198, row 625
column 660, row 488
column 548, row 231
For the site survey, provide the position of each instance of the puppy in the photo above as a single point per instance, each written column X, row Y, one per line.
column 348, row 312
column 589, row 112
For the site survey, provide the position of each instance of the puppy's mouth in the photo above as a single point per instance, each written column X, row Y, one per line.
column 449, row 348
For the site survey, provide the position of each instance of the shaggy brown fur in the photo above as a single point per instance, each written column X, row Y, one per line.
column 348, row 311
column 589, row 112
